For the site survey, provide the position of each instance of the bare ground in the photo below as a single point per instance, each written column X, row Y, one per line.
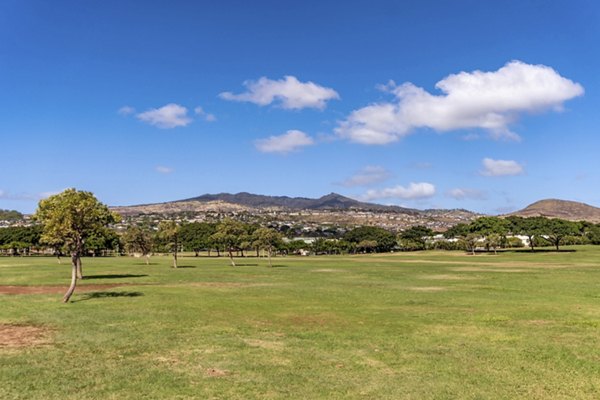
column 15, row 336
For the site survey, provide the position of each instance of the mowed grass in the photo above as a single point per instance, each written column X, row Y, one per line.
column 426, row 325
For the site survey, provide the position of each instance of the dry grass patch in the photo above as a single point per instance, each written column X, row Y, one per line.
column 427, row 288
column 264, row 344
column 17, row 336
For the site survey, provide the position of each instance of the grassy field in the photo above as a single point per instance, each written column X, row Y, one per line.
column 426, row 325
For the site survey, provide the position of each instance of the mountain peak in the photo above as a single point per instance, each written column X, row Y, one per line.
column 564, row 209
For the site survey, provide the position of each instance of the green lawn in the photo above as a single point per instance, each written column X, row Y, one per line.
column 427, row 325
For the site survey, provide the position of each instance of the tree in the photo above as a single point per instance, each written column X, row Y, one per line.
column 493, row 241
column 69, row 218
column 196, row 236
column 555, row 230
column 138, row 240
column 169, row 232
column 228, row 236
column 530, row 227
column 267, row 239
column 414, row 238
column 385, row 239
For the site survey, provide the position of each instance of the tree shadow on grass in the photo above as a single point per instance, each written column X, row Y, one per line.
column 277, row 266
column 114, row 276
column 184, row 266
column 542, row 250
column 104, row 295
column 246, row 265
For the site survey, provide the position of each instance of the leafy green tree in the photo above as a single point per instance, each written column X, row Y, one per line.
column 70, row 218
column 457, row 231
column 556, row 230
column 228, row 235
column 493, row 241
column 367, row 246
column 414, row 238
column 386, row 240
column 139, row 239
column 196, row 236
column 267, row 239
column 530, row 227
column 169, row 232
column 101, row 241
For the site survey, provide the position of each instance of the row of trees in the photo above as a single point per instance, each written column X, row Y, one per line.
column 496, row 232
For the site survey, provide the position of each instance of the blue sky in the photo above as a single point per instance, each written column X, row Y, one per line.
column 150, row 101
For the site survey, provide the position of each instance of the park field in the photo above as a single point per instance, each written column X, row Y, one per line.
column 422, row 325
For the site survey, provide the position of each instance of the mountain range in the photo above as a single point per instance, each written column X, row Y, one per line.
column 227, row 202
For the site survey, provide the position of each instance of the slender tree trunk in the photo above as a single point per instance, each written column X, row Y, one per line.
column 79, row 268
column 75, row 262
column 269, row 253
column 209, row 252
column 175, row 259
column 59, row 260
column 231, row 258
column 531, row 243
column 218, row 252
column 147, row 259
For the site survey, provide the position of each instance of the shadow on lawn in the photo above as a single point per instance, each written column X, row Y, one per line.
column 114, row 276
column 104, row 295
column 185, row 266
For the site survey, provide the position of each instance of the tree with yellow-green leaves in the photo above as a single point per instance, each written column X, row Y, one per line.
column 69, row 219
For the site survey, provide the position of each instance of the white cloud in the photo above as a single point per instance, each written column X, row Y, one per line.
column 465, row 193
column 419, row 190
column 164, row 170
column 481, row 100
column 126, row 110
column 367, row 176
column 289, row 141
column 289, row 92
column 168, row 116
column 493, row 167
column 207, row 116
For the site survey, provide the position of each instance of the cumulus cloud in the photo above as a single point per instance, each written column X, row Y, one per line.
column 288, row 92
column 207, row 116
column 126, row 110
column 164, row 170
column 483, row 100
column 493, row 167
column 169, row 116
column 465, row 193
column 413, row 191
column 367, row 176
column 289, row 141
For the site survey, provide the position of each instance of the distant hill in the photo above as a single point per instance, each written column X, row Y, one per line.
column 10, row 215
column 332, row 201
column 564, row 209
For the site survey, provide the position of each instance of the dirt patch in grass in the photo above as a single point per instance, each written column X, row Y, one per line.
column 16, row 336
column 216, row 372
column 427, row 288
column 52, row 289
